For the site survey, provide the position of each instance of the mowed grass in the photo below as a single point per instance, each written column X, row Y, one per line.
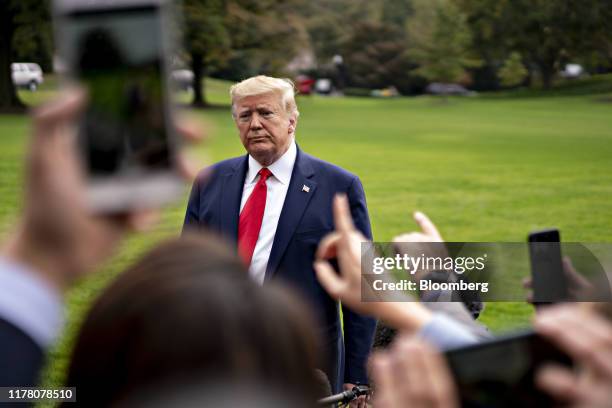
column 483, row 168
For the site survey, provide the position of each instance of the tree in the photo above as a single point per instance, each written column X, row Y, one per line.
column 489, row 41
column 375, row 57
column 330, row 24
column 513, row 72
column 368, row 34
column 395, row 12
column 206, row 40
column 24, row 32
column 551, row 32
column 260, row 35
column 266, row 34
column 8, row 94
column 439, row 41
column 545, row 32
column 33, row 37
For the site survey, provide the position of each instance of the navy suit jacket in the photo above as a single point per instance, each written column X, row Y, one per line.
column 305, row 219
column 20, row 358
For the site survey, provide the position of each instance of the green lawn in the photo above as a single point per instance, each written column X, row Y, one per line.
column 487, row 168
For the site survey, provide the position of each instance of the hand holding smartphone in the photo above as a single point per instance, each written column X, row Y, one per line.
column 117, row 50
column 548, row 279
column 500, row 372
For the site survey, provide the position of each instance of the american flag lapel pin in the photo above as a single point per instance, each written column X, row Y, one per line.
column 305, row 188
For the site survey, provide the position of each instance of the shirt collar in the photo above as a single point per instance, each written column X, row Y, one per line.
column 30, row 303
column 281, row 168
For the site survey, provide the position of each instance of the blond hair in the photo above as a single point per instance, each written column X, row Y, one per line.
column 260, row 85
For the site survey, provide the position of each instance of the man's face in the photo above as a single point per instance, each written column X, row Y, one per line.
column 266, row 130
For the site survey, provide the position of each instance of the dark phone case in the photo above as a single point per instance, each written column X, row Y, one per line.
column 548, row 280
column 500, row 372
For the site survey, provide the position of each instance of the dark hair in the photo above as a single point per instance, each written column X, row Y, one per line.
column 188, row 311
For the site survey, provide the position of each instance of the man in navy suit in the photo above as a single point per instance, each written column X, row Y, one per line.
column 275, row 204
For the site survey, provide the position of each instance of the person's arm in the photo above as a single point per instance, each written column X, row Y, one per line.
column 445, row 333
column 31, row 317
column 58, row 239
column 412, row 374
column 587, row 338
column 30, row 303
column 345, row 245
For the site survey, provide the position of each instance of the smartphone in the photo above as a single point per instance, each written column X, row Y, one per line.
column 548, row 279
column 500, row 372
column 117, row 50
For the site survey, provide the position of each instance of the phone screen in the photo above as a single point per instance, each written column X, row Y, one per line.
column 500, row 373
column 118, row 55
column 548, row 280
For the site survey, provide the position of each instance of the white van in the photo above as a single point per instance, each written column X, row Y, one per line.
column 27, row 75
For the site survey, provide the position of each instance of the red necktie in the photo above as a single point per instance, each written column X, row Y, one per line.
column 251, row 218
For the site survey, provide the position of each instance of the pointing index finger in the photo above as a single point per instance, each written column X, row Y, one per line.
column 426, row 225
column 342, row 214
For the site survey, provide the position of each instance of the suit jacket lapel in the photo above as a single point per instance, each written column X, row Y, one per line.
column 296, row 202
column 231, row 195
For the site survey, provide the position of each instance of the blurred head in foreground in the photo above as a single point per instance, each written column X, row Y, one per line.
column 251, row 394
column 187, row 313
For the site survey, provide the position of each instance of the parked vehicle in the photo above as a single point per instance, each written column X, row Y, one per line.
column 323, row 86
column 389, row 92
column 27, row 75
column 573, row 71
column 182, row 79
column 304, row 84
column 438, row 88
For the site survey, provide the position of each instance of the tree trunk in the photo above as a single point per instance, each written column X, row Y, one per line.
column 9, row 101
column 547, row 71
column 546, row 79
column 530, row 75
column 197, row 66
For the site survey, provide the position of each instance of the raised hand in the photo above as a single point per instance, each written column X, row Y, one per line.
column 412, row 374
column 58, row 236
column 345, row 244
column 428, row 232
column 587, row 338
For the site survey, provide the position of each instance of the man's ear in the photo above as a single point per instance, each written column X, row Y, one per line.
column 292, row 124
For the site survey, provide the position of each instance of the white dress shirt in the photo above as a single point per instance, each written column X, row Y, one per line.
column 278, row 184
column 29, row 303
